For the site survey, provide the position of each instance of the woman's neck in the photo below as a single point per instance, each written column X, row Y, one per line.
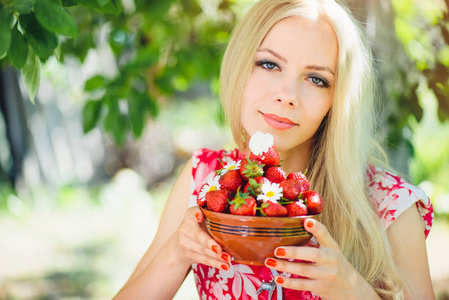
column 295, row 160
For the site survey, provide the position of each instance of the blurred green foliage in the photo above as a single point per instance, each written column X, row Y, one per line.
column 160, row 48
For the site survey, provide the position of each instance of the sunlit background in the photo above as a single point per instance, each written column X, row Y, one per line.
column 95, row 128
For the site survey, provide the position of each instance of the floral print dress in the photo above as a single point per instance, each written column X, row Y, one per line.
column 390, row 194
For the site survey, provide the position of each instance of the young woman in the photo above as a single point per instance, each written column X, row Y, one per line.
column 301, row 71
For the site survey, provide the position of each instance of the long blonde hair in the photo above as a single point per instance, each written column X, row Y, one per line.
column 344, row 143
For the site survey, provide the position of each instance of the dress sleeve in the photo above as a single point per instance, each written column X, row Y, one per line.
column 204, row 162
column 392, row 195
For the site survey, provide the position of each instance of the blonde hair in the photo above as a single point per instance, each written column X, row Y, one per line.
column 344, row 143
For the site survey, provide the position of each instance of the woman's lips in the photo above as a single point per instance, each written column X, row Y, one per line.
column 278, row 122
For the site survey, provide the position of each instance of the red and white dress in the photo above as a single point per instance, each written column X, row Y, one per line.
column 390, row 194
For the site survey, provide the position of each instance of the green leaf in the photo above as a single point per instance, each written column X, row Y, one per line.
column 94, row 83
column 137, row 110
column 22, row 6
column 115, row 122
column 31, row 74
column 43, row 41
column 68, row 3
column 91, row 114
column 102, row 2
column 18, row 55
column 110, row 7
column 5, row 30
column 55, row 18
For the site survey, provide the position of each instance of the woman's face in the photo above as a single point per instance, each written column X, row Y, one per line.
column 290, row 89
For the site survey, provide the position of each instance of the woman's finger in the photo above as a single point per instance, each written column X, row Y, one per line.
column 304, row 269
column 321, row 234
column 302, row 284
column 198, row 244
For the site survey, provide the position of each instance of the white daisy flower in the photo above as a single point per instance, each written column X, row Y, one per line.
column 270, row 191
column 232, row 165
column 260, row 142
column 212, row 184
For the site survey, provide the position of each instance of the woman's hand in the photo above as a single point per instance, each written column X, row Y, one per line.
column 325, row 272
column 196, row 245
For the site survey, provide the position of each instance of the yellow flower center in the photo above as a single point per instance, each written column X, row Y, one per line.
column 270, row 194
column 231, row 168
column 213, row 188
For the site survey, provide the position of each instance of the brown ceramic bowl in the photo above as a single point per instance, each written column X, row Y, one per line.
column 250, row 240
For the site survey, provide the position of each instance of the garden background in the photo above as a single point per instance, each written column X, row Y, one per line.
column 102, row 101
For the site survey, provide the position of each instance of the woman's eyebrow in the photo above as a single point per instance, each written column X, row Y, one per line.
column 310, row 67
column 320, row 68
column 275, row 54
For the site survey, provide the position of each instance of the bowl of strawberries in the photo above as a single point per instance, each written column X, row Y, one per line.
column 252, row 206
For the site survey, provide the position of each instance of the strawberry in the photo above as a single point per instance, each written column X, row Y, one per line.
column 275, row 174
column 251, row 168
column 254, row 185
column 313, row 201
column 291, row 189
column 297, row 208
column 262, row 149
column 201, row 201
column 301, row 177
column 272, row 209
column 231, row 180
column 218, row 200
column 269, row 157
column 243, row 204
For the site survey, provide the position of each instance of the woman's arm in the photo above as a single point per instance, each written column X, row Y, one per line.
column 179, row 242
column 408, row 243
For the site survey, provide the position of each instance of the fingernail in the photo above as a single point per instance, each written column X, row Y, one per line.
column 280, row 252
column 279, row 280
column 224, row 256
column 309, row 223
column 197, row 216
column 215, row 249
column 225, row 267
column 270, row 262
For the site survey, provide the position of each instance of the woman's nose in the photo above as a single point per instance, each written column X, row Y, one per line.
column 287, row 93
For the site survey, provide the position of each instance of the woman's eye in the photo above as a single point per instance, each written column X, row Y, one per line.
column 270, row 65
column 266, row 64
column 318, row 81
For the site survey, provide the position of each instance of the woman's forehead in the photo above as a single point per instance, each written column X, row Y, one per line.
column 314, row 39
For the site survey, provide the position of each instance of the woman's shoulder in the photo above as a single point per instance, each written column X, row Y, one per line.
column 391, row 195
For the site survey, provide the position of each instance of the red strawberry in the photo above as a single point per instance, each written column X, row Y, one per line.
column 269, row 158
column 274, row 209
column 231, row 180
column 254, row 185
column 291, row 189
column 218, row 200
column 297, row 208
column 313, row 201
column 301, row 177
column 275, row 174
column 251, row 168
column 200, row 202
column 243, row 204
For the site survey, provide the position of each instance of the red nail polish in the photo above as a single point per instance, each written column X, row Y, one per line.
column 225, row 267
column 309, row 223
column 280, row 252
column 270, row 262
column 224, row 256
column 197, row 216
column 279, row 280
column 215, row 249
